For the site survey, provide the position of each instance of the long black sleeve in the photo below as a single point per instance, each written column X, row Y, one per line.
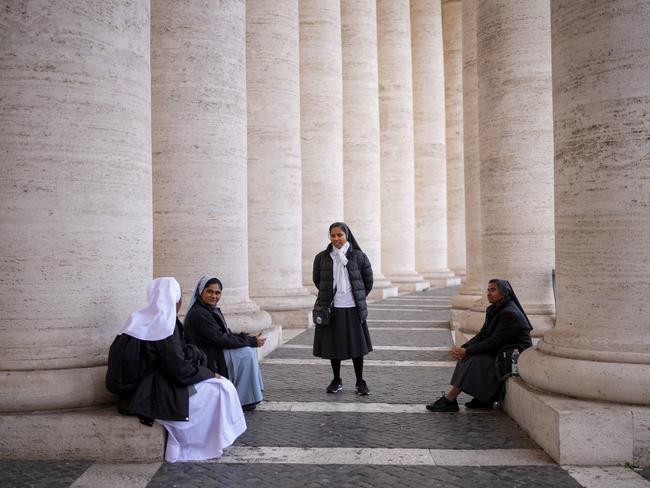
column 172, row 361
column 506, row 331
column 203, row 327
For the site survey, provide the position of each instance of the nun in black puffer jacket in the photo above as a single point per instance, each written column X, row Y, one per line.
column 343, row 276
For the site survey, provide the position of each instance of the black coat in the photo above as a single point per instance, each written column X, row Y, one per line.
column 504, row 324
column 359, row 271
column 163, row 394
column 207, row 329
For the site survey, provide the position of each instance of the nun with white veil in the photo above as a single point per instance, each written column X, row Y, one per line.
column 199, row 409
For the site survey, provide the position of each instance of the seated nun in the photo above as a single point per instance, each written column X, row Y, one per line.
column 505, row 324
column 198, row 408
column 229, row 354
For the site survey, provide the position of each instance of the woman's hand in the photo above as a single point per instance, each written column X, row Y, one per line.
column 260, row 340
column 458, row 353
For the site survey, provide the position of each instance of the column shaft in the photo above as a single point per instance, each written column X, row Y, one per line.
column 321, row 119
column 273, row 101
column 516, row 151
column 429, row 143
column 600, row 348
column 361, row 156
column 453, row 55
column 396, row 135
column 198, row 83
column 75, row 195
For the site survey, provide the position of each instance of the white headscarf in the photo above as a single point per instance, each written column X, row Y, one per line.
column 157, row 320
column 341, row 277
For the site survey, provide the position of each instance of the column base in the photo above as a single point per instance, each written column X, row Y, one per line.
column 579, row 432
column 290, row 310
column 408, row 282
column 380, row 293
column 273, row 336
column 250, row 319
column 98, row 434
column 442, row 282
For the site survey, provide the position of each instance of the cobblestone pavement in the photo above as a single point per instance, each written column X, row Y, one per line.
column 303, row 437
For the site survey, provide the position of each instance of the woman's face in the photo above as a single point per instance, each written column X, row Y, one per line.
column 338, row 237
column 211, row 294
column 494, row 293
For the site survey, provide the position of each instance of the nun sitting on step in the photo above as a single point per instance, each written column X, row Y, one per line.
column 505, row 323
column 199, row 409
column 230, row 354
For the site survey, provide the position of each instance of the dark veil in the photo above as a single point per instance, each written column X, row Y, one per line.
column 348, row 233
column 508, row 293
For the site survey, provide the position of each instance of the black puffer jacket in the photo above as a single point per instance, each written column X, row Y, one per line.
column 360, row 273
column 504, row 324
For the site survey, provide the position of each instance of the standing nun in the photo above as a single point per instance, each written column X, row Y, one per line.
column 343, row 276
column 506, row 323
column 199, row 409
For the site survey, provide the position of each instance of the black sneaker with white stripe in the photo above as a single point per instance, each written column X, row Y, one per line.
column 335, row 386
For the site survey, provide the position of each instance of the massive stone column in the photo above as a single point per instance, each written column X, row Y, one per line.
column 453, row 54
column 198, row 83
column 516, row 151
column 321, row 119
column 474, row 283
column 361, row 157
column 599, row 350
column 75, row 196
column 274, row 183
column 600, row 347
column 429, row 143
column 396, row 136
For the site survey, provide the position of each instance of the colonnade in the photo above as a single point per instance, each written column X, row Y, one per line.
column 472, row 139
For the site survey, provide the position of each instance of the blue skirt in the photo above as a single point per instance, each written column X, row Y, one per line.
column 244, row 372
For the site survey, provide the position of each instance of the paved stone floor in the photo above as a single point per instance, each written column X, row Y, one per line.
column 302, row 437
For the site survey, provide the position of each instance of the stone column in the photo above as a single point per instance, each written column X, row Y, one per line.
column 274, row 191
column 475, row 282
column 429, row 143
column 453, row 54
column 396, row 136
column 516, row 151
column 321, row 119
column 198, row 81
column 75, row 196
column 600, row 347
column 361, row 157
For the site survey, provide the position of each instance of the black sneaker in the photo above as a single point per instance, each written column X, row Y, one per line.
column 442, row 404
column 335, row 386
column 362, row 388
column 476, row 403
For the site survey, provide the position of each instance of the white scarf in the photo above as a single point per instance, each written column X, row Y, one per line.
column 341, row 276
column 157, row 320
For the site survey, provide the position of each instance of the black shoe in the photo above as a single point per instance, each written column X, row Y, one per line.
column 442, row 404
column 248, row 407
column 362, row 388
column 335, row 386
column 476, row 403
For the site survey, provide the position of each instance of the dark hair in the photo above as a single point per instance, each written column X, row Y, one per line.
column 212, row 281
column 341, row 225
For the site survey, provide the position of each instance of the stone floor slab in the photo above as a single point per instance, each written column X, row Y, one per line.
column 393, row 338
column 101, row 475
column 40, row 474
column 377, row 354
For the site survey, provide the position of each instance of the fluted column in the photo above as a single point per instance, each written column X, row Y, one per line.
column 361, row 157
column 75, row 195
column 396, row 136
column 198, row 82
column 321, row 119
column 474, row 283
column 600, row 347
column 516, row 151
column 273, row 91
column 429, row 143
column 453, row 55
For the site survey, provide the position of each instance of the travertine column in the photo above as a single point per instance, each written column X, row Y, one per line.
column 453, row 42
column 361, row 158
column 274, row 190
column 75, row 195
column 429, row 139
column 198, row 80
column 321, row 119
column 475, row 282
column 396, row 132
column 516, row 151
column 600, row 347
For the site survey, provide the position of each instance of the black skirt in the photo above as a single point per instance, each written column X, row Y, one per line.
column 476, row 376
column 345, row 337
